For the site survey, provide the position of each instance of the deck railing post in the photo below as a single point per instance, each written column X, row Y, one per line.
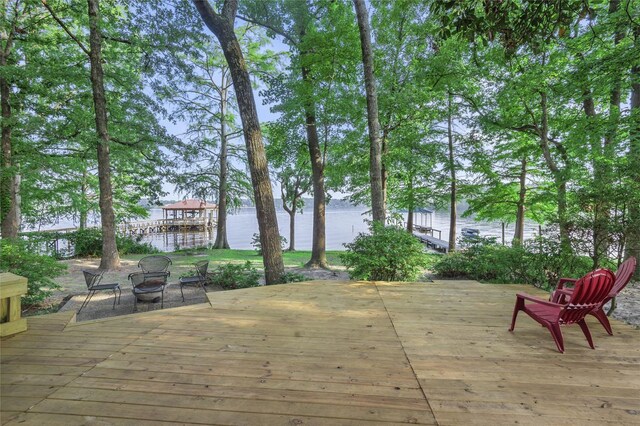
column 11, row 288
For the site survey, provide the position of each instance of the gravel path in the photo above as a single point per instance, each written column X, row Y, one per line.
column 628, row 305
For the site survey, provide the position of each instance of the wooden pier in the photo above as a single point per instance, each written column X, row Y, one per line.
column 158, row 226
column 425, row 233
column 423, row 229
column 433, row 242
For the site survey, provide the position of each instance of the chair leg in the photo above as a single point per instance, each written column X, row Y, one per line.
column 519, row 306
column 181, row 292
column 585, row 329
column 86, row 300
column 604, row 320
column 135, row 303
column 119, row 295
column 556, row 333
column 162, row 299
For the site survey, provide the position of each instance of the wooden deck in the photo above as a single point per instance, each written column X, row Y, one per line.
column 324, row 353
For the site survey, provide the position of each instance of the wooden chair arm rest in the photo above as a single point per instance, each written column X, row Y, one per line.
column 558, row 295
column 561, row 282
column 530, row 298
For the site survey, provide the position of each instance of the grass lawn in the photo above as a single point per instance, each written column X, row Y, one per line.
column 291, row 259
column 72, row 281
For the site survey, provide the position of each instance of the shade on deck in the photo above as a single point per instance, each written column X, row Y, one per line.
column 322, row 353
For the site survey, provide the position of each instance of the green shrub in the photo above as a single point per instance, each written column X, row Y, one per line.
column 292, row 277
column 389, row 253
column 233, row 276
column 189, row 273
column 539, row 262
column 257, row 245
column 16, row 257
column 134, row 245
column 88, row 242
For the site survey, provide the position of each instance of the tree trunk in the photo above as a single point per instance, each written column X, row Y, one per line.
column 411, row 206
column 375, row 149
column 602, row 152
column 601, row 182
column 633, row 229
column 453, row 215
column 410, row 221
column 84, row 188
column 518, row 235
column 318, row 245
column 292, row 227
column 9, row 177
column 221, row 227
column 559, row 176
column 563, row 222
column 110, row 257
column 222, row 25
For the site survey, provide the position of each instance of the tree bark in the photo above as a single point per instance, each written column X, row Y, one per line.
column 318, row 245
column 453, row 215
column 222, row 25
column 633, row 228
column 410, row 221
column 375, row 148
column 292, row 229
column 411, row 206
column 84, row 188
column 559, row 175
column 110, row 257
column 221, row 227
column 9, row 177
column 518, row 235
column 601, row 173
column 602, row 152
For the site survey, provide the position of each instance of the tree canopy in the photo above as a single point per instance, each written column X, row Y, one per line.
column 522, row 109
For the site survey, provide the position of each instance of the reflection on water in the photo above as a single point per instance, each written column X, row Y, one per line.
column 342, row 226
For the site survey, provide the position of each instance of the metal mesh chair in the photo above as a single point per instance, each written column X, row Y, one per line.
column 148, row 283
column 198, row 280
column 156, row 263
column 92, row 280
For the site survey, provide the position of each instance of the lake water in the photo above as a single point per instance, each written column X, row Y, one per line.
column 342, row 226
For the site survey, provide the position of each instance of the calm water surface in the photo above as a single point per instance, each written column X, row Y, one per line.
column 342, row 226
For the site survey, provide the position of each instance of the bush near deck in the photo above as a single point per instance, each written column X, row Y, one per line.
column 389, row 253
column 539, row 262
column 17, row 257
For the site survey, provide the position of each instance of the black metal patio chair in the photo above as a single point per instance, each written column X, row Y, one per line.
column 92, row 280
column 197, row 280
column 155, row 263
column 147, row 283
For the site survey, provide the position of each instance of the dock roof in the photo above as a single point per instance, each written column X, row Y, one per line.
column 190, row 204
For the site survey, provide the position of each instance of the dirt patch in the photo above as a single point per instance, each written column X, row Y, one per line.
column 74, row 290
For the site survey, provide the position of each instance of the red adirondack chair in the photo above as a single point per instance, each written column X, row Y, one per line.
column 588, row 294
column 623, row 276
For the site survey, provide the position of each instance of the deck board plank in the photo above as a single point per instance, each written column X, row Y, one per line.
column 324, row 353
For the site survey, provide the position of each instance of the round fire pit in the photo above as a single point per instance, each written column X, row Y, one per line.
column 149, row 291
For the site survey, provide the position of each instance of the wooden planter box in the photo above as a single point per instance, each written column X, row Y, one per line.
column 11, row 288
